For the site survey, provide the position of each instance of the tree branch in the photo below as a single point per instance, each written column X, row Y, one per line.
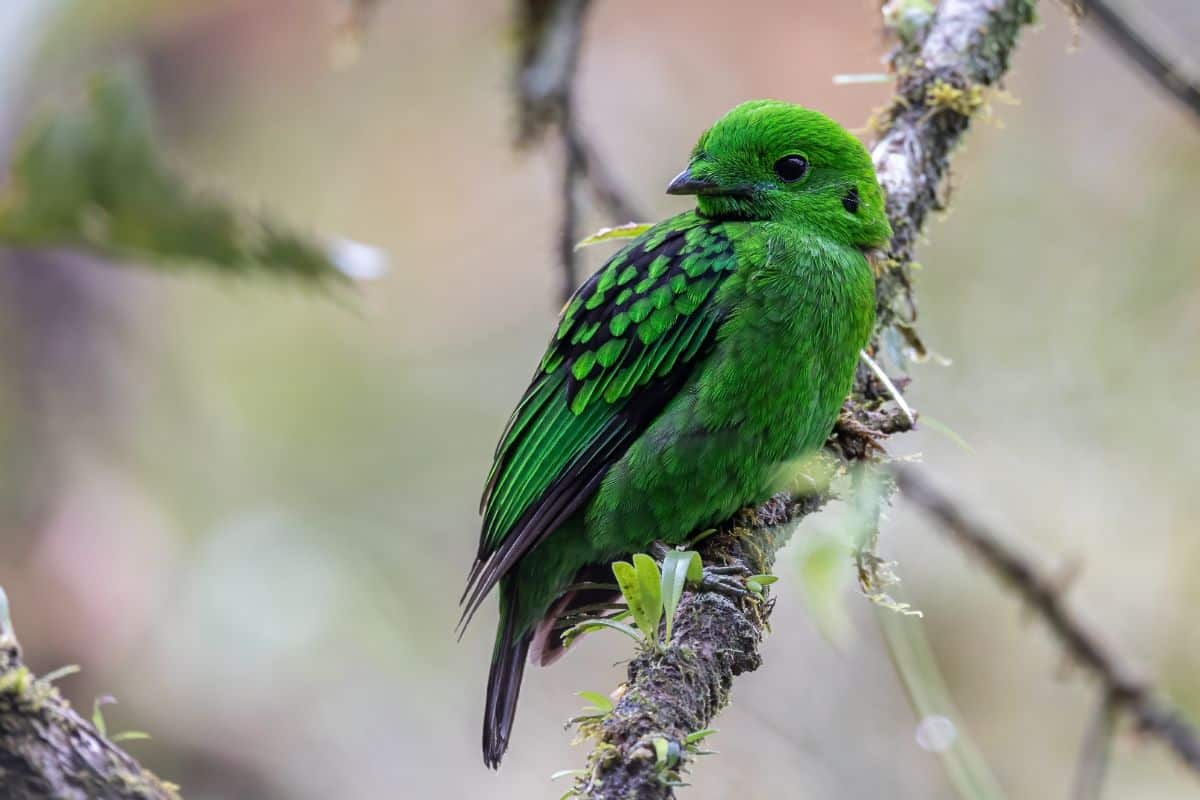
column 1157, row 66
column 551, row 33
column 47, row 750
column 940, row 78
column 1044, row 596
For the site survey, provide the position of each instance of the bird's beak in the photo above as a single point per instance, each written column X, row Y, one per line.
column 686, row 183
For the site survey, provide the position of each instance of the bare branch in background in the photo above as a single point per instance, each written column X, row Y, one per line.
column 47, row 750
column 1120, row 31
column 1044, row 597
column 942, row 71
column 551, row 32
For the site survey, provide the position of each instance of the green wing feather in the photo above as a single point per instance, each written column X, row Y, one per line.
column 625, row 343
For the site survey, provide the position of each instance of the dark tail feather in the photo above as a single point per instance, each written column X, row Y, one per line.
column 504, row 686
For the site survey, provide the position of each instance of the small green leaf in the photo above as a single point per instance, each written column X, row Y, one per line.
column 754, row 587
column 570, row 634
column 60, row 673
column 639, row 584
column 129, row 736
column 601, row 702
column 98, row 715
column 662, row 749
column 763, row 580
column 631, row 590
column 675, row 569
column 650, row 583
column 696, row 736
column 568, row 773
column 695, row 572
column 630, row 230
column 667, row 752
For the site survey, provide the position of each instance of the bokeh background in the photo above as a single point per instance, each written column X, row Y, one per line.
column 246, row 508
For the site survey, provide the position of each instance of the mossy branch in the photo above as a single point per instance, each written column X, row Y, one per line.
column 48, row 750
column 943, row 67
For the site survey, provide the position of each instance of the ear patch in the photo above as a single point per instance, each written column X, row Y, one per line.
column 850, row 201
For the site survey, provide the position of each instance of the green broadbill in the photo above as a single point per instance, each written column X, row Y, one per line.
column 683, row 375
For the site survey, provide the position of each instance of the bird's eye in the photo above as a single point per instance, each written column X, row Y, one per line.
column 850, row 201
column 791, row 168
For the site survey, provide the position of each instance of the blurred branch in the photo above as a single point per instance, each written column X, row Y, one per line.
column 1153, row 62
column 47, row 750
column 1044, row 597
column 551, row 32
column 94, row 180
column 942, row 68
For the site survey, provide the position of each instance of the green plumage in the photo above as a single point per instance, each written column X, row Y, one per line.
column 682, row 376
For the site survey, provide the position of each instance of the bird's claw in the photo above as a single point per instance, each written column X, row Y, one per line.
column 727, row 580
column 659, row 550
column 858, row 440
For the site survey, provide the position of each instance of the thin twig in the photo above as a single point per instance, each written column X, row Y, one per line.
column 1044, row 596
column 551, row 36
column 605, row 186
column 1095, row 751
column 568, row 235
column 1136, row 47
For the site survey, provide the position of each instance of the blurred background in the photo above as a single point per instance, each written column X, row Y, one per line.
column 246, row 508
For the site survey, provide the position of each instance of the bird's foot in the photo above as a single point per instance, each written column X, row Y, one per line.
column 659, row 550
column 856, row 439
column 727, row 580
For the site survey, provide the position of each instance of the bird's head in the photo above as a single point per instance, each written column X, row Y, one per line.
column 770, row 160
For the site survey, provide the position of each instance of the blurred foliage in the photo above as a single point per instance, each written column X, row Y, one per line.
column 941, row 729
column 93, row 179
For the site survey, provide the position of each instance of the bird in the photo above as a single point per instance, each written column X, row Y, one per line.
column 682, row 376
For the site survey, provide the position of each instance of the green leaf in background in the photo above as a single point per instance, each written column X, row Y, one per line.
column 914, row 660
column 675, row 567
column 98, row 714
column 92, row 179
column 826, row 570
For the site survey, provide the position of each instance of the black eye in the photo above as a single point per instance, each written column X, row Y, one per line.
column 850, row 201
column 791, row 168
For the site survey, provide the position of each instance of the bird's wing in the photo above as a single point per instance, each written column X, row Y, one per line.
column 626, row 342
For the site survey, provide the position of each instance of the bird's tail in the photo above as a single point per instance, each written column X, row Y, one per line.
column 504, row 680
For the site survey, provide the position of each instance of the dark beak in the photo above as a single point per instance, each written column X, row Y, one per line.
column 686, row 183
